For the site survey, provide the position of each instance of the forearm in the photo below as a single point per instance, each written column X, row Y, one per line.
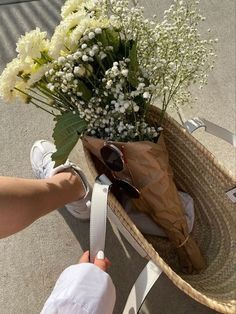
column 22, row 201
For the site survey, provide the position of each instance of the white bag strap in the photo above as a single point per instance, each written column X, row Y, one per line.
column 98, row 218
column 193, row 124
column 142, row 286
column 150, row 273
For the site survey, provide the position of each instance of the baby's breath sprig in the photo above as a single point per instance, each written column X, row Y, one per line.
column 171, row 53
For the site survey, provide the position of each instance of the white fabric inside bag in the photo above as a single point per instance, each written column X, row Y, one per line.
column 146, row 225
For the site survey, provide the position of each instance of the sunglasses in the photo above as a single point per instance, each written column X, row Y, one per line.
column 114, row 159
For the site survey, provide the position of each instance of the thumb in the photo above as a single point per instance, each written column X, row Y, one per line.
column 101, row 261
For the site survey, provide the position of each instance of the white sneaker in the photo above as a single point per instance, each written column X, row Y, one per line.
column 42, row 165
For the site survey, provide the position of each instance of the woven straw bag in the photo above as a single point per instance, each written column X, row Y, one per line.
column 197, row 172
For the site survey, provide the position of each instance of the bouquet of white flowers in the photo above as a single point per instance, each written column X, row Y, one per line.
column 101, row 70
column 105, row 64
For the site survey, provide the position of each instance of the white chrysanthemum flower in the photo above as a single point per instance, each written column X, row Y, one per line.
column 77, row 33
column 99, row 23
column 71, row 6
column 11, row 78
column 38, row 73
column 31, row 45
column 61, row 39
column 84, row 24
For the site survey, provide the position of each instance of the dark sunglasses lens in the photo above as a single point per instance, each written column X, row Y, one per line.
column 129, row 189
column 112, row 158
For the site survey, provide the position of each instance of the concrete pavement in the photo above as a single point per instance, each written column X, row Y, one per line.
column 31, row 260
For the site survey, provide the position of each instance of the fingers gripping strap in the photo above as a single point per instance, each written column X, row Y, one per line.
column 142, row 286
column 98, row 219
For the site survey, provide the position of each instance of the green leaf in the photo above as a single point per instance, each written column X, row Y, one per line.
column 133, row 66
column 67, row 131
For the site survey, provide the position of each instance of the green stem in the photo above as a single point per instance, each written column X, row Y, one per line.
column 65, row 103
column 88, row 79
column 69, row 104
column 46, row 92
column 34, row 91
column 147, row 105
column 101, row 64
column 31, row 97
column 42, row 108
column 49, row 95
column 109, row 54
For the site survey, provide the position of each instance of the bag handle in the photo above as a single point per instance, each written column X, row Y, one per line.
column 99, row 211
column 141, row 287
column 98, row 217
column 195, row 123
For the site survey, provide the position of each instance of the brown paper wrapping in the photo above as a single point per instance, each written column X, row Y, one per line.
column 148, row 165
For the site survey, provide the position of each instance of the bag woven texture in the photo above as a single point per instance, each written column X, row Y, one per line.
column 198, row 173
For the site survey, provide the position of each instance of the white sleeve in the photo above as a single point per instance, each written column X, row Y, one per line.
column 82, row 289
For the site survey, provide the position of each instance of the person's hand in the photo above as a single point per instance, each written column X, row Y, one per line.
column 100, row 260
